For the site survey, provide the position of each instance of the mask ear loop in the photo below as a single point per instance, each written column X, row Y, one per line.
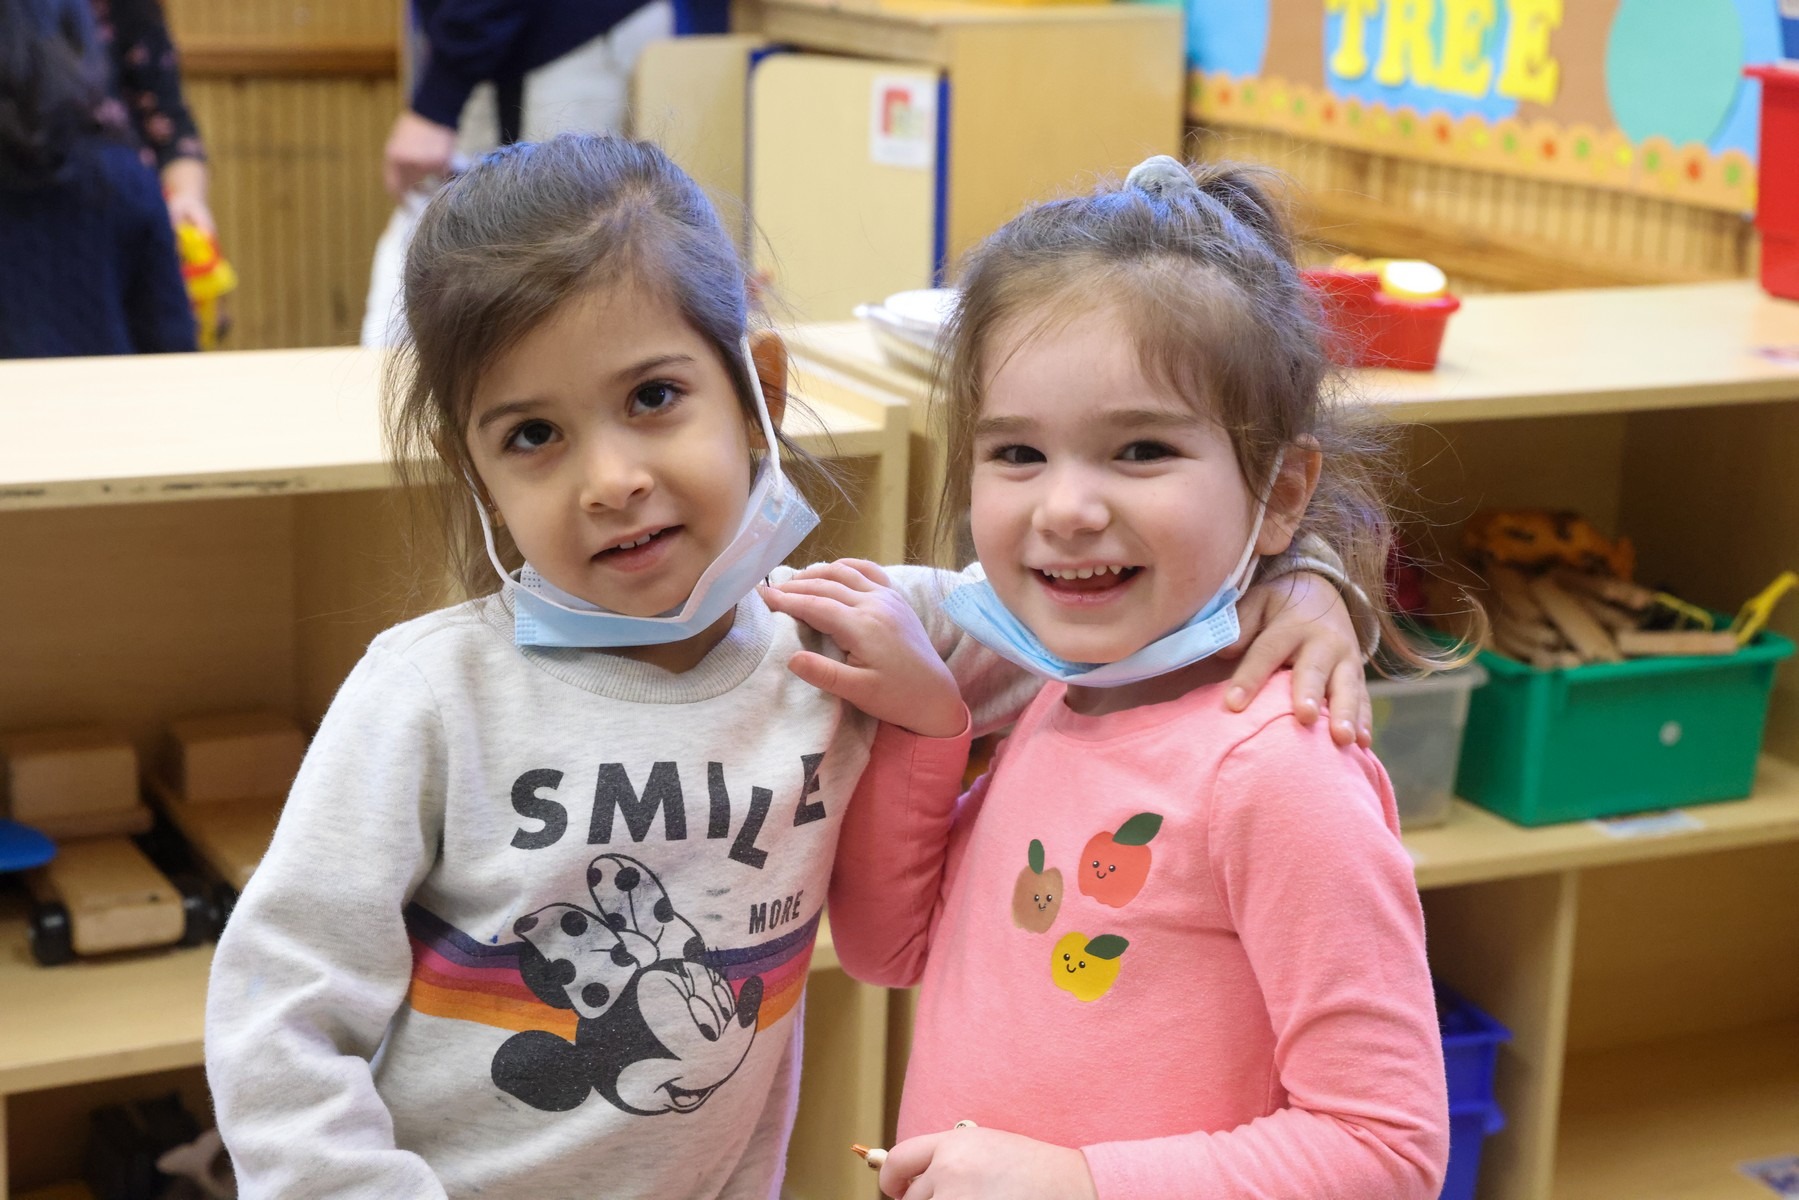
column 1239, row 578
column 773, row 454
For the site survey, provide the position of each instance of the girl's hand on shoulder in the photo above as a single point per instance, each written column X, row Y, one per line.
column 984, row 1164
column 890, row 669
column 1301, row 619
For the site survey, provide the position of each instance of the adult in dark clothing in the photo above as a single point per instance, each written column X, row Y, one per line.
column 465, row 43
column 87, row 257
column 146, row 81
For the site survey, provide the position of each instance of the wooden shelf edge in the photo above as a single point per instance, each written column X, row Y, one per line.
column 1477, row 846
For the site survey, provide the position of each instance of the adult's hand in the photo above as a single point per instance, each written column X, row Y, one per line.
column 184, row 190
column 417, row 149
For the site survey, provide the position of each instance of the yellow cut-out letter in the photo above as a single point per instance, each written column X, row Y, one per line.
column 1530, row 72
column 1350, row 59
column 1405, row 47
column 1463, row 69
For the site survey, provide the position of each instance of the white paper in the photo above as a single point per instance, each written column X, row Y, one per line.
column 1649, row 825
column 902, row 121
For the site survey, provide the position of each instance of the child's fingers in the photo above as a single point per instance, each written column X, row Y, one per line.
column 828, row 675
column 827, row 614
column 840, row 572
column 873, row 572
column 829, row 588
column 1263, row 658
column 1311, row 682
column 905, row 1163
column 1351, row 713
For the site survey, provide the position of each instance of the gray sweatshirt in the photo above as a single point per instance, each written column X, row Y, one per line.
column 536, row 923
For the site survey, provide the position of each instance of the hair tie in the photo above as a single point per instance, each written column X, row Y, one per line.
column 1161, row 177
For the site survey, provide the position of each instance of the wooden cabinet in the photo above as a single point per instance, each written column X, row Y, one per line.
column 200, row 533
column 885, row 139
column 1651, row 983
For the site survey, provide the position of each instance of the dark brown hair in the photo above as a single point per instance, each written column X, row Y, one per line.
column 1204, row 274
column 503, row 246
column 52, row 81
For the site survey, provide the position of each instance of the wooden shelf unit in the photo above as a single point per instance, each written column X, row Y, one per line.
column 127, row 608
column 1651, row 984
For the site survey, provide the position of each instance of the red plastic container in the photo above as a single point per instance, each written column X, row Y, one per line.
column 1777, row 206
column 1368, row 328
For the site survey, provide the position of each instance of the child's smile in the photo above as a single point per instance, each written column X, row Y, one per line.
column 1106, row 509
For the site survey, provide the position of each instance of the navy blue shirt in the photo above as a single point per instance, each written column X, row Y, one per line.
column 88, row 265
column 473, row 41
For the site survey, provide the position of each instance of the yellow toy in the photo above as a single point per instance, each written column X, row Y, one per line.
column 209, row 279
column 1755, row 612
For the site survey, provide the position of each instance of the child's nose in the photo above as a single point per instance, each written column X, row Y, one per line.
column 612, row 477
column 1072, row 503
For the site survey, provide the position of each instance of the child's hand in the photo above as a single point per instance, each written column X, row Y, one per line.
column 1301, row 619
column 890, row 670
column 984, row 1164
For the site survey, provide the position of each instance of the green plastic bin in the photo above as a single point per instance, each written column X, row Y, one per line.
column 1613, row 738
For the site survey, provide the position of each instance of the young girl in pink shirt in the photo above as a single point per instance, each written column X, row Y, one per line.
column 1164, row 949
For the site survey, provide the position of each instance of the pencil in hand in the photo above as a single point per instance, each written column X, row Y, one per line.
column 873, row 1157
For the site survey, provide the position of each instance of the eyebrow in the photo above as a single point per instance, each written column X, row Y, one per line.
column 635, row 371
column 1128, row 418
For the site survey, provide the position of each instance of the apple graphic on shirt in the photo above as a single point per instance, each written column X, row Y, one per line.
column 1086, row 967
column 1114, row 866
column 1037, row 896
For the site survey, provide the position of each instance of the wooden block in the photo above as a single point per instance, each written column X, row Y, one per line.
column 1647, row 642
column 1587, row 636
column 230, row 836
column 1528, row 633
column 128, row 822
column 1615, row 619
column 117, row 899
column 1605, row 587
column 77, row 772
column 234, row 756
column 1513, row 590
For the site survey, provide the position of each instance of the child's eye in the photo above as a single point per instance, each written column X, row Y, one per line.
column 1145, row 452
column 655, row 397
column 1017, row 456
column 529, row 436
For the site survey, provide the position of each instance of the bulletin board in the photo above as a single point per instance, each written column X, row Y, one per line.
column 1643, row 96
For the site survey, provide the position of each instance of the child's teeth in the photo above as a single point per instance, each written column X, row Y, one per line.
column 1084, row 573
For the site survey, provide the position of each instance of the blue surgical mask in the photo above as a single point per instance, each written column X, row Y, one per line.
column 775, row 521
column 976, row 607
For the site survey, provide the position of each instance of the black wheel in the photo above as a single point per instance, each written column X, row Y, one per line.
column 199, row 921
column 51, row 935
column 224, row 901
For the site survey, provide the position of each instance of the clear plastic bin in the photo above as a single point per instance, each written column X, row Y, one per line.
column 1418, row 738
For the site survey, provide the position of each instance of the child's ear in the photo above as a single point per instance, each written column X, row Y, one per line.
column 1292, row 491
column 769, row 353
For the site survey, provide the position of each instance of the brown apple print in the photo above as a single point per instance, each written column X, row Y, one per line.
column 1037, row 896
column 1114, row 866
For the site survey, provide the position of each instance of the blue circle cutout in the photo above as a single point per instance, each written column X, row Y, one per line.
column 1673, row 67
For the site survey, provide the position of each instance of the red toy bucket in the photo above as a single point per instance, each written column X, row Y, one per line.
column 1368, row 328
column 1777, row 206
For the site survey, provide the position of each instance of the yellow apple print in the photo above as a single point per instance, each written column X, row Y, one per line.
column 1085, row 966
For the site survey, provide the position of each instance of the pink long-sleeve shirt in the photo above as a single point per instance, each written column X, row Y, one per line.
column 1237, row 1005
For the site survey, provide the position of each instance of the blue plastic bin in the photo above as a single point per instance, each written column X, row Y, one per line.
column 1471, row 1041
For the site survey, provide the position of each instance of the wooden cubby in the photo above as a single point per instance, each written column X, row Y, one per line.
column 203, row 533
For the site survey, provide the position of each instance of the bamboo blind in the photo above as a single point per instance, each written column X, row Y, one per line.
column 1489, row 231
column 294, row 102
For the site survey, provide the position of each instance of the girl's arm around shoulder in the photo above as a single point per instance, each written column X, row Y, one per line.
column 1303, row 841
column 890, row 859
column 316, row 960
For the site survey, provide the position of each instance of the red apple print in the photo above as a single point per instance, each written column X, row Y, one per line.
column 1114, row 866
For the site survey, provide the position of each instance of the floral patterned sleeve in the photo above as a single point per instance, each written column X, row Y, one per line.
column 147, row 78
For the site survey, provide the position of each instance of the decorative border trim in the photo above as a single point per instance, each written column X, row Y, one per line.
column 1689, row 174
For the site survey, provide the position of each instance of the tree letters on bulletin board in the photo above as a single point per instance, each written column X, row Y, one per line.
column 1639, row 95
